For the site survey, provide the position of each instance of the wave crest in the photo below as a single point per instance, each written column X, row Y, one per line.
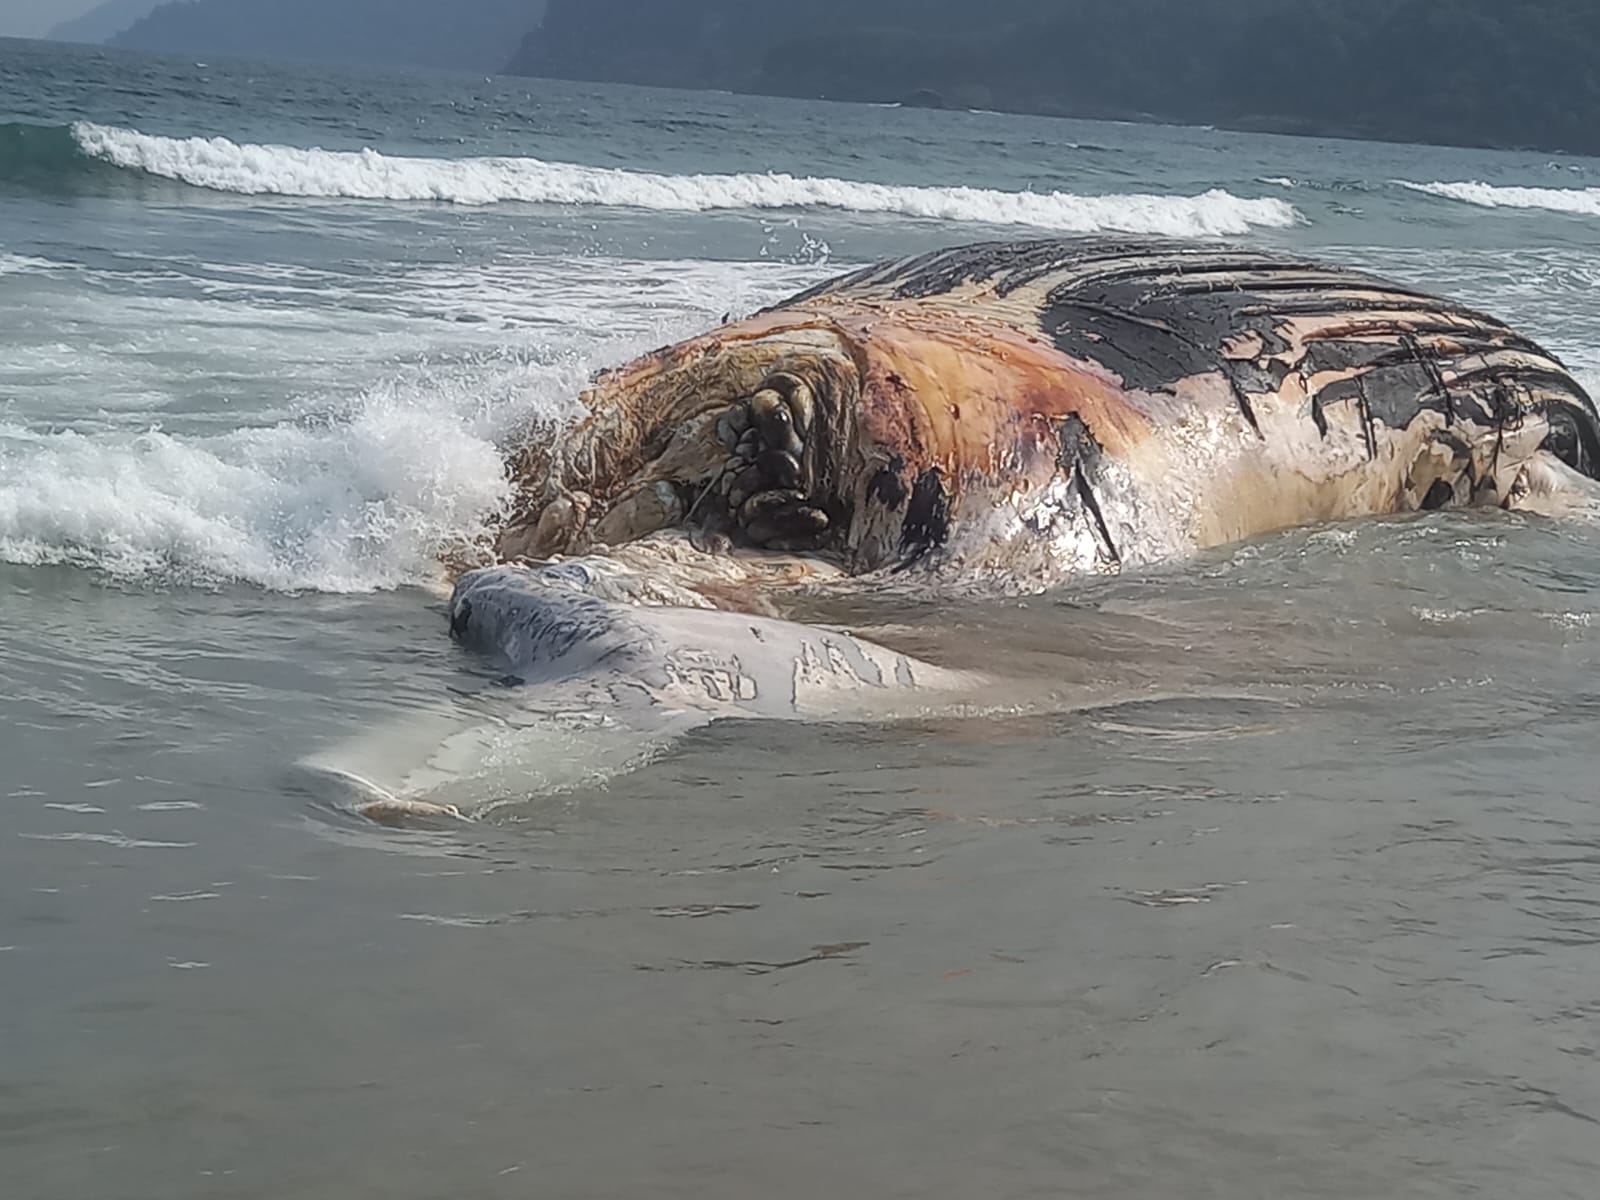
column 385, row 409
column 343, row 505
column 222, row 165
column 1579, row 201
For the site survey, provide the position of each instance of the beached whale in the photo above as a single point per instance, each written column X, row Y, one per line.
column 1010, row 415
column 991, row 419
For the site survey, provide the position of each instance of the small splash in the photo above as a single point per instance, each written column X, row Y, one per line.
column 22, row 264
column 468, row 921
column 347, row 503
column 697, row 912
column 121, row 841
column 1178, row 897
column 1446, row 616
column 1570, row 620
column 1340, row 538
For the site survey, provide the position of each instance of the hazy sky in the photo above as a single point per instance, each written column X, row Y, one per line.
column 30, row 18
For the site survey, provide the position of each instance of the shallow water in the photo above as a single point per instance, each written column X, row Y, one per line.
column 1295, row 893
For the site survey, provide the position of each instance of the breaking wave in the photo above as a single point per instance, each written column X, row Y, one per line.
column 221, row 165
column 324, row 487
column 368, row 499
column 1580, row 201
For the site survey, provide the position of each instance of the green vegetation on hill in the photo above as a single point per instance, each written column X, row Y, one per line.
column 101, row 22
column 473, row 35
column 1469, row 72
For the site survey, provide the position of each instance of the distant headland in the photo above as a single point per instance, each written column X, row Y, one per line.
column 1462, row 72
column 467, row 35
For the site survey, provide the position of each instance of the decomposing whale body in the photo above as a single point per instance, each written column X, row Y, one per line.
column 1010, row 415
column 996, row 418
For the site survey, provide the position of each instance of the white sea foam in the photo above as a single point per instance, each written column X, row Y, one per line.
column 352, row 503
column 222, row 165
column 23, row 264
column 1581, row 201
column 357, row 470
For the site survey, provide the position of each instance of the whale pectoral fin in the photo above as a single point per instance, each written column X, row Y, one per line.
column 356, row 794
column 397, row 813
column 462, row 757
column 600, row 686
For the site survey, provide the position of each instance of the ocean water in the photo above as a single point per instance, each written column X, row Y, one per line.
column 1299, row 898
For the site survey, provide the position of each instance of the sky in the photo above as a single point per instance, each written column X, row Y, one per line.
column 31, row 18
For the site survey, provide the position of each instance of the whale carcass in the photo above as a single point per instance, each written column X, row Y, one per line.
column 990, row 419
column 1010, row 415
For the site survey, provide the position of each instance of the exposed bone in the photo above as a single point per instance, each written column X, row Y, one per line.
column 796, row 526
column 764, row 405
column 771, row 475
column 776, row 423
column 557, row 528
column 810, row 518
column 638, row 513
column 710, row 541
column 749, row 482
column 783, row 470
column 768, row 503
column 797, row 394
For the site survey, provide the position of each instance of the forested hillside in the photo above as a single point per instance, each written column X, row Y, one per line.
column 1456, row 71
column 101, row 22
column 472, row 35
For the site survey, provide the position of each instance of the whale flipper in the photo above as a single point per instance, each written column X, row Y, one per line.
column 601, row 686
column 638, row 662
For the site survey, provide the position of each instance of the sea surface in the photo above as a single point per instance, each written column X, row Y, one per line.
column 1300, row 898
